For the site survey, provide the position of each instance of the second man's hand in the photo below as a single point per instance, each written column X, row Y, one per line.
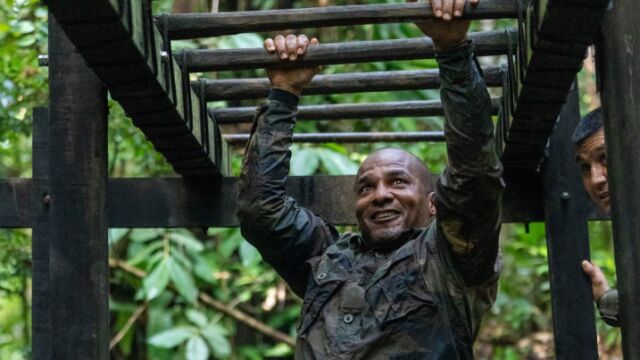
column 290, row 48
column 599, row 284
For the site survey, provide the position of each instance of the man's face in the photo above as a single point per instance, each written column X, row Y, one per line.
column 591, row 156
column 390, row 197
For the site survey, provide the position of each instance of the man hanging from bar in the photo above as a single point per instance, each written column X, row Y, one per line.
column 417, row 281
column 591, row 156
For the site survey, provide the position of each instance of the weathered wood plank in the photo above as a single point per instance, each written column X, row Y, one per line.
column 76, row 213
column 188, row 26
column 351, row 137
column 255, row 88
column 120, row 43
column 345, row 111
column 620, row 74
column 40, row 313
column 177, row 202
column 566, row 211
column 555, row 44
column 487, row 43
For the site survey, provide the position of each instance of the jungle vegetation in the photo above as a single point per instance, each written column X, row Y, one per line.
column 172, row 290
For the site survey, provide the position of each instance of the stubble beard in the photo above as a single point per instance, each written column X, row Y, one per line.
column 385, row 236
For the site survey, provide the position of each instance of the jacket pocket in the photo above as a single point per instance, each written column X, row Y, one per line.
column 328, row 278
column 396, row 298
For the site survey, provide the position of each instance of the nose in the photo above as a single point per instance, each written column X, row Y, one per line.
column 598, row 174
column 382, row 194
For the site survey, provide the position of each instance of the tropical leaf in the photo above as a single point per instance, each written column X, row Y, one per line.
column 187, row 240
column 249, row 254
column 183, row 281
column 173, row 337
column 196, row 349
column 157, row 280
column 215, row 336
column 304, row 162
column 197, row 317
column 336, row 163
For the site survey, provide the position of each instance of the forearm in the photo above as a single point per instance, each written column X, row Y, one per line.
column 468, row 194
column 469, row 131
column 265, row 166
column 285, row 234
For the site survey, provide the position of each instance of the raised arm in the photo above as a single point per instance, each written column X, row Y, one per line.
column 468, row 193
column 286, row 235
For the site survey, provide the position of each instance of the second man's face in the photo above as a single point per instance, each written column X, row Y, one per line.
column 591, row 157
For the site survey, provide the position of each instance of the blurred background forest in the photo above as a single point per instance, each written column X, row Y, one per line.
column 199, row 293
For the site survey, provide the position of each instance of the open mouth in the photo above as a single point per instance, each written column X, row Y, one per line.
column 604, row 195
column 386, row 215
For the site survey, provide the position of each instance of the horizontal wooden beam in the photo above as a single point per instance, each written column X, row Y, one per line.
column 344, row 111
column 120, row 43
column 199, row 60
column 181, row 202
column 351, row 137
column 256, row 88
column 189, row 26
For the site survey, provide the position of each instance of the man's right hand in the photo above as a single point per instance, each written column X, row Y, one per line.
column 599, row 284
column 290, row 48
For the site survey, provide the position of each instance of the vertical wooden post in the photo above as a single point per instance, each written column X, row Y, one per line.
column 566, row 209
column 620, row 56
column 40, row 315
column 78, row 250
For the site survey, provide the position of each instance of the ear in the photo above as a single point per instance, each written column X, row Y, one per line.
column 431, row 203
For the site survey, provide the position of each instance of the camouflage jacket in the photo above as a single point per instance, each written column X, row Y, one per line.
column 609, row 307
column 425, row 298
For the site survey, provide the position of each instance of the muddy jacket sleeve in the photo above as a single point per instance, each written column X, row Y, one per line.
column 285, row 234
column 609, row 308
column 468, row 194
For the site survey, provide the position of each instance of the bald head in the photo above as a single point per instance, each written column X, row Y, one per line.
column 414, row 165
column 393, row 196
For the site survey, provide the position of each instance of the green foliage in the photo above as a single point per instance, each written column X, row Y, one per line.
column 23, row 85
column 15, row 288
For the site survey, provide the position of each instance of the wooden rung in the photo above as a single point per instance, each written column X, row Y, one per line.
column 189, row 26
column 344, row 111
column 199, row 60
column 256, row 88
column 351, row 137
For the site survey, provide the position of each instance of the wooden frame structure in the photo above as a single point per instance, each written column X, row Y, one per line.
column 117, row 45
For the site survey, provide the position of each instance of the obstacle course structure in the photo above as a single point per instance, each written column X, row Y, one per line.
column 119, row 46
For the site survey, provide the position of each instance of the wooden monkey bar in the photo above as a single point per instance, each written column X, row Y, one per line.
column 198, row 60
column 258, row 88
column 240, row 115
column 351, row 137
column 189, row 26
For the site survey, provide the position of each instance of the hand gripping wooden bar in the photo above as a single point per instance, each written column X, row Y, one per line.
column 198, row 60
column 189, row 26
column 256, row 88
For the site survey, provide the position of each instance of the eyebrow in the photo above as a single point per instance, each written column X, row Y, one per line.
column 395, row 172
column 398, row 172
column 362, row 179
column 600, row 148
